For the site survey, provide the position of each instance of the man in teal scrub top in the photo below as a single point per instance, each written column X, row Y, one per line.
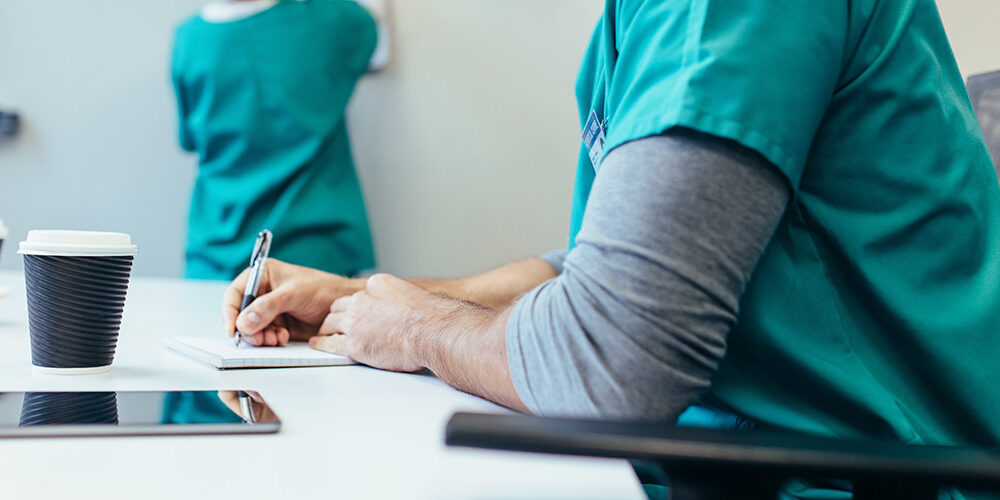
column 262, row 87
column 794, row 224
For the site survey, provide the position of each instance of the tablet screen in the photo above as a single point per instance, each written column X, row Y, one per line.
column 131, row 413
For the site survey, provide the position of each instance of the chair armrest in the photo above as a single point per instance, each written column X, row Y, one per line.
column 709, row 454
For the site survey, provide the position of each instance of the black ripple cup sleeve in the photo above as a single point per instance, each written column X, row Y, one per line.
column 75, row 307
column 68, row 408
column 75, row 299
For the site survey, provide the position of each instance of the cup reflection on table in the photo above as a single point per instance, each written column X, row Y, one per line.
column 248, row 405
column 61, row 408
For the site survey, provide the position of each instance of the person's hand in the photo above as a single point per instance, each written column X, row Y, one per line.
column 395, row 325
column 291, row 303
column 382, row 324
column 261, row 411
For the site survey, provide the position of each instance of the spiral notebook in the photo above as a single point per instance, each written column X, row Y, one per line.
column 220, row 353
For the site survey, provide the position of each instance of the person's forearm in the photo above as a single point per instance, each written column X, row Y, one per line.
column 467, row 350
column 395, row 325
column 495, row 288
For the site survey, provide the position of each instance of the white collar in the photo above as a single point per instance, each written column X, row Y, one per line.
column 221, row 11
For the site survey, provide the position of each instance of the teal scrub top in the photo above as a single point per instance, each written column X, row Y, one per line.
column 262, row 102
column 874, row 310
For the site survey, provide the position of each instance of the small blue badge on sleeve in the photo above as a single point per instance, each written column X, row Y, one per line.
column 593, row 139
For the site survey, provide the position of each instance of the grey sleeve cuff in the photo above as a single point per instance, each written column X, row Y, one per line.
column 635, row 324
column 555, row 259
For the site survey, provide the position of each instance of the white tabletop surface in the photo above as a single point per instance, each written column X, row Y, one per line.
column 347, row 432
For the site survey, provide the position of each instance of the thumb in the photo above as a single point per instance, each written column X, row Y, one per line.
column 263, row 311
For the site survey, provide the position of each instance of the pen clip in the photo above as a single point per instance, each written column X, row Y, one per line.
column 258, row 258
column 260, row 247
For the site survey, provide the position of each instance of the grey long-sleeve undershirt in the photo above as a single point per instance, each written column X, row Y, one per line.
column 636, row 322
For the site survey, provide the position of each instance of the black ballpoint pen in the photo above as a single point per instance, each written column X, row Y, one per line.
column 257, row 259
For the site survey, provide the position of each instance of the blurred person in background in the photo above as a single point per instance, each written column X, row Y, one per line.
column 262, row 87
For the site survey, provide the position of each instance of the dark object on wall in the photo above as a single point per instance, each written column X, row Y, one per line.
column 9, row 124
column 984, row 90
column 714, row 464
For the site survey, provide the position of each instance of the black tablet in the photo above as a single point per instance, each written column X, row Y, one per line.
column 134, row 413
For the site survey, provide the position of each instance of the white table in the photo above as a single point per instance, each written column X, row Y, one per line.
column 348, row 432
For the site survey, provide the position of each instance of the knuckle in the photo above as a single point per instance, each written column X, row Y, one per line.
column 380, row 279
column 339, row 303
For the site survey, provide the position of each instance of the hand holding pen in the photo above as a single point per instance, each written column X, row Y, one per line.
column 291, row 303
column 258, row 258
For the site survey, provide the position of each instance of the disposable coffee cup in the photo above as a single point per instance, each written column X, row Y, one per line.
column 76, row 283
column 68, row 408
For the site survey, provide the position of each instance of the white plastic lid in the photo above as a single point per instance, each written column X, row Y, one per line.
column 3, row 230
column 77, row 243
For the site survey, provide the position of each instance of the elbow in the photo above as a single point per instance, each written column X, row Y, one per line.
column 646, row 375
column 653, row 391
column 579, row 351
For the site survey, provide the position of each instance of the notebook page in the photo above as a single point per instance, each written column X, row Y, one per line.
column 293, row 350
column 229, row 356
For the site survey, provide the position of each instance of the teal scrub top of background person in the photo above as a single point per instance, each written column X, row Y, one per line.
column 874, row 309
column 262, row 102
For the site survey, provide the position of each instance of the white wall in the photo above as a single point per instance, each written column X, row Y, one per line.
column 98, row 147
column 466, row 143
column 973, row 28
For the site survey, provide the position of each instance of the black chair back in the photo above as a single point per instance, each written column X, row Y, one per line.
column 717, row 464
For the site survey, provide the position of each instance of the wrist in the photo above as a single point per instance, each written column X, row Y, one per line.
column 448, row 330
column 427, row 331
column 341, row 286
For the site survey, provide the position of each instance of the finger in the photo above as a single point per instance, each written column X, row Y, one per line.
column 230, row 399
column 231, row 300
column 255, row 339
column 342, row 304
column 337, row 344
column 226, row 396
column 263, row 310
column 332, row 324
column 270, row 337
column 280, row 325
column 283, row 335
